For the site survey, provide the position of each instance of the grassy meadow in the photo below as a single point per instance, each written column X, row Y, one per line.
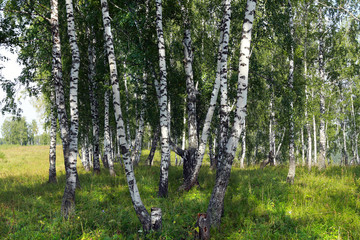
column 258, row 205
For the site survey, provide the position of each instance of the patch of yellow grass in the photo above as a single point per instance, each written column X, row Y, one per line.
column 28, row 160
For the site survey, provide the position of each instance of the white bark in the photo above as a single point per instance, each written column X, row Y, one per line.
column 223, row 174
column 292, row 163
column 68, row 202
column 94, row 104
column 165, row 147
column 315, row 140
column 209, row 115
column 223, row 58
column 136, row 153
column 190, row 86
column 272, row 125
column 356, row 152
column 108, row 155
column 52, row 150
column 243, row 146
column 140, row 209
column 128, row 135
column 58, row 81
column 302, row 147
column 322, row 146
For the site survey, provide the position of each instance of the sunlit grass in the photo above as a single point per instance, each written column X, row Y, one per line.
column 259, row 203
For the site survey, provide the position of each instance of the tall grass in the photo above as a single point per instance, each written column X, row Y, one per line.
column 258, row 204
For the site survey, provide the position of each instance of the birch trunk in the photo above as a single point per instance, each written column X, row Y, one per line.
column 212, row 151
column 140, row 209
column 85, row 155
column 315, row 140
column 94, row 105
column 190, row 85
column 165, row 147
column 223, row 58
column 292, row 163
column 58, row 81
column 271, row 125
column 356, row 153
column 344, row 150
column 322, row 146
column 128, row 135
column 108, row 156
column 308, row 127
column 154, row 143
column 243, row 147
column 192, row 179
column 136, row 153
column 343, row 125
column 216, row 203
column 189, row 156
column 68, row 202
column 52, row 151
column 302, row 147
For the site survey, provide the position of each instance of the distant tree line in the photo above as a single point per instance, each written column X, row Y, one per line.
column 18, row 131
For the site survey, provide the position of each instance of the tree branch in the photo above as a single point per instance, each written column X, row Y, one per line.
column 343, row 9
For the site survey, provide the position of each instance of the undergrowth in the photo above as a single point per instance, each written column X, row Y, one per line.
column 259, row 204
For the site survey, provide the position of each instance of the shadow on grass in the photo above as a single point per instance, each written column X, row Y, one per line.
column 257, row 206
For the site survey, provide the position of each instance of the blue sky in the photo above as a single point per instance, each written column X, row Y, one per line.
column 12, row 70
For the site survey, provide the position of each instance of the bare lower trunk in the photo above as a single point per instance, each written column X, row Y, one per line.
column 52, row 151
column 163, row 101
column 154, row 143
column 302, row 147
column 211, row 152
column 322, row 146
column 128, row 135
column 355, row 138
column 315, row 140
column 136, row 153
column 292, row 164
column 190, row 180
column 344, row 150
column 108, row 155
column 223, row 58
column 243, row 147
column 216, row 203
column 85, row 156
column 94, row 105
column 139, row 207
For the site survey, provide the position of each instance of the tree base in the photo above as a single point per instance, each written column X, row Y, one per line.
column 290, row 179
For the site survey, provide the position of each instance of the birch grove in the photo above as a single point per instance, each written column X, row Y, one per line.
column 222, row 84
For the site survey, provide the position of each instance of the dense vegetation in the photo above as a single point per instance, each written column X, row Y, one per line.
column 259, row 204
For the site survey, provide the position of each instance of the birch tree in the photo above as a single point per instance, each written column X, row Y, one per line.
column 139, row 207
column 322, row 146
column 107, row 138
column 94, row 104
column 68, row 203
column 52, row 151
column 216, row 203
column 190, row 176
column 163, row 101
column 292, row 163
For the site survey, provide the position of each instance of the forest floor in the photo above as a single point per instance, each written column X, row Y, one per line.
column 259, row 204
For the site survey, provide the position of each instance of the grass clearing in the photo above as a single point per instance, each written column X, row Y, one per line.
column 258, row 204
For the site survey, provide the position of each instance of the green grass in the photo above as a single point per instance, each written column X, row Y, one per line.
column 258, row 204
